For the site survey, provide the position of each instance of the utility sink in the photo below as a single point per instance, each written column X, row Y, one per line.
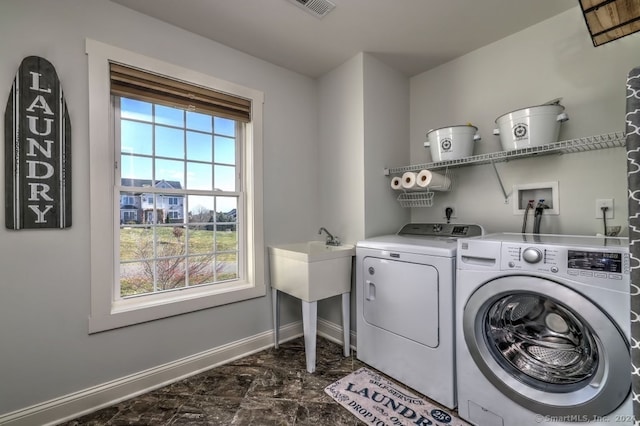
column 311, row 270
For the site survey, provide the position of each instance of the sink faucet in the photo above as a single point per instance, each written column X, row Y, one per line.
column 331, row 240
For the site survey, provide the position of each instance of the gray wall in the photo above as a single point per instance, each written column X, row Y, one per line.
column 45, row 350
column 340, row 150
column 364, row 126
column 386, row 128
column 552, row 59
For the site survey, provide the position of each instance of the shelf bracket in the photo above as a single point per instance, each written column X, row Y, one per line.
column 504, row 192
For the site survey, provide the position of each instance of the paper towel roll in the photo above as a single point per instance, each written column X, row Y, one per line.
column 396, row 183
column 409, row 181
column 427, row 179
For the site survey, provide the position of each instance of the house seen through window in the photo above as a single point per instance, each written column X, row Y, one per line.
column 179, row 189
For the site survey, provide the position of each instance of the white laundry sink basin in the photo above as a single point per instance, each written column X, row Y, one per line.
column 311, row 270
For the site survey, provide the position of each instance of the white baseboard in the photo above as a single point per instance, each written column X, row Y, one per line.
column 332, row 331
column 74, row 405
column 86, row 401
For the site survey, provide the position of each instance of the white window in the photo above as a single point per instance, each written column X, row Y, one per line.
column 129, row 216
column 198, row 242
column 128, row 200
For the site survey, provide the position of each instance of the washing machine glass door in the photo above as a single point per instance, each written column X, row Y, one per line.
column 547, row 347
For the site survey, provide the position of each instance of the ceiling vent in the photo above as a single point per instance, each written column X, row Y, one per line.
column 318, row 8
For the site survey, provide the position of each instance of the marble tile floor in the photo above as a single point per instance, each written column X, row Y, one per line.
column 269, row 388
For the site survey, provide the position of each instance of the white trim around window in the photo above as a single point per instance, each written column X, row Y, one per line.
column 107, row 311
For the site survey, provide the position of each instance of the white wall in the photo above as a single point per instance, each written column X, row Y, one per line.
column 552, row 59
column 341, row 150
column 45, row 351
column 386, row 130
column 364, row 126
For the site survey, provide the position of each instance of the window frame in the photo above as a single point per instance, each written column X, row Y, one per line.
column 107, row 311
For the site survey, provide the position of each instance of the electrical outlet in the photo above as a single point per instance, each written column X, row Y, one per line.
column 604, row 202
column 453, row 212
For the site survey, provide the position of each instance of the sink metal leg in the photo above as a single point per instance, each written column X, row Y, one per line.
column 310, row 328
column 346, row 323
column 276, row 317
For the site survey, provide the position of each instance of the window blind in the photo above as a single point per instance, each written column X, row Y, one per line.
column 146, row 86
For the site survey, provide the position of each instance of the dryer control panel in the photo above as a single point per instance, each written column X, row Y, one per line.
column 457, row 230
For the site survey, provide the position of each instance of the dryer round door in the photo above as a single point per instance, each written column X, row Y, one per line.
column 547, row 347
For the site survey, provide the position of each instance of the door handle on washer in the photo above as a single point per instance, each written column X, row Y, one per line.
column 371, row 291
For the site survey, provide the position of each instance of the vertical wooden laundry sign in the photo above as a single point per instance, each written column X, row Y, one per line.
column 37, row 149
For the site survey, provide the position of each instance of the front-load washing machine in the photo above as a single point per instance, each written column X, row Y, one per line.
column 405, row 305
column 542, row 330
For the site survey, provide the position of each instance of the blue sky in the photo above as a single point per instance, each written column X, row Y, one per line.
column 183, row 140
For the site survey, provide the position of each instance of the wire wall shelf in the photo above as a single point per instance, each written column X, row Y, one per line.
column 591, row 143
column 416, row 199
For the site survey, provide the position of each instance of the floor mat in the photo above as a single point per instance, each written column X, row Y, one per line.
column 377, row 401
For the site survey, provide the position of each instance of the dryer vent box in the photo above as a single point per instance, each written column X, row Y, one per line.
column 547, row 191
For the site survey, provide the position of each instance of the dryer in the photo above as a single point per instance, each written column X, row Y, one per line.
column 405, row 305
column 542, row 330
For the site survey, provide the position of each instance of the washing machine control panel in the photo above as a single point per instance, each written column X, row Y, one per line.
column 531, row 255
column 587, row 264
column 530, row 258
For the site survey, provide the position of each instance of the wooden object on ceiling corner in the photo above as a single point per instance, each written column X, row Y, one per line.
column 609, row 20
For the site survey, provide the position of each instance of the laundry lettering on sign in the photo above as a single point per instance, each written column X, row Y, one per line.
column 397, row 393
column 39, row 170
column 377, row 401
column 387, row 402
column 37, row 149
column 368, row 415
